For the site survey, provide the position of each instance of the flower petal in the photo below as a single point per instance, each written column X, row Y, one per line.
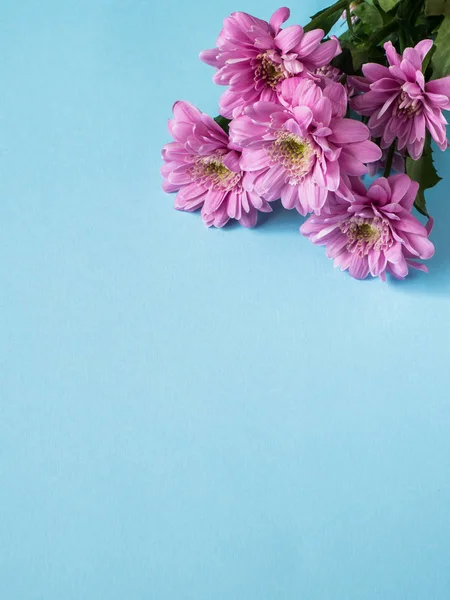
column 347, row 131
column 279, row 17
column 288, row 38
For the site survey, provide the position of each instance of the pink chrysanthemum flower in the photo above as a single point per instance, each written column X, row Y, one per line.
column 374, row 234
column 399, row 102
column 253, row 57
column 330, row 73
column 302, row 149
column 205, row 170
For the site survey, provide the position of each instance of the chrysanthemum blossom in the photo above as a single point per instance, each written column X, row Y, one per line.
column 330, row 73
column 399, row 102
column 253, row 57
column 205, row 171
column 376, row 233
column 303, row 148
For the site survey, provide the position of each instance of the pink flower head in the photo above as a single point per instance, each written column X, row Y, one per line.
column 205, row 170
column 375, row 233
column 253, row 57
column 330, row 73
column 302, row 149
column 399, row 102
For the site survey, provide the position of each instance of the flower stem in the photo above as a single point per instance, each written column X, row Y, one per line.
column 390, row 158
column 348, row 16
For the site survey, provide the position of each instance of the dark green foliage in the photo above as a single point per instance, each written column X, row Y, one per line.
column 325, row 19
column 404, row 23
column 223, row 122
column 424, row 172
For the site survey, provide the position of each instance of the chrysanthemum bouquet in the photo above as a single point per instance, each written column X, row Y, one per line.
column 311, row 120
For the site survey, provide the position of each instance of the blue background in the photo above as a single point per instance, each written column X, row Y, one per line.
column 194, row 414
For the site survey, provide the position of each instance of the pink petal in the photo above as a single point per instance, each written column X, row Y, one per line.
column 169, row 187
column 347, row 131
column 303, row 116
column 186, row 112
column 391, row 54
column 343, row 260
column 333, row 175
column 398, row 270
column 422, row 246
column 213, row 200
column 387, row 84
column 231, row 161
column 289, row 196
column 359, row 267
column 261, row 112
column 361, row 84
column 325, row 53
column 279, row 17
column 293, row 66
column 378, row 193
column 179, row 176
column 310, row 42
column 292, row 126
column 365, row 152
column 418, row 266
column 351, row 165
column 374, row 72
column 315, row 196
column 190, row 197
column 410, row 224
column 210, row 57
column 400, row 185
column 322, row 111
column 410, row 196
column 412, row 57
column 422, row 49
column 337, row 95
column 249, row 219
column 288, row 38
column 395, row 253
column 272, row 182
column 254, row 159
column 439, row 86
column 409, row 68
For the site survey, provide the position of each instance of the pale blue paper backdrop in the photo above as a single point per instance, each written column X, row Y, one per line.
column 193, row 414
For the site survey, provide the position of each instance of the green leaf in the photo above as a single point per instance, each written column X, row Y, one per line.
column 437, row 7
column 427, row 59
column 424, row 172
column 441, row 58
column 325, row 19
column 223, row 122
column 420, row 203
column 343, row 62
column 360, row 56
column 368, row 15
column 388, row 5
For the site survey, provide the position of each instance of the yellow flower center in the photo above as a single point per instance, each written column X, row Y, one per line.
column 211, row 172
column 366, row 232
column 294, row 153
column 269, row 71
